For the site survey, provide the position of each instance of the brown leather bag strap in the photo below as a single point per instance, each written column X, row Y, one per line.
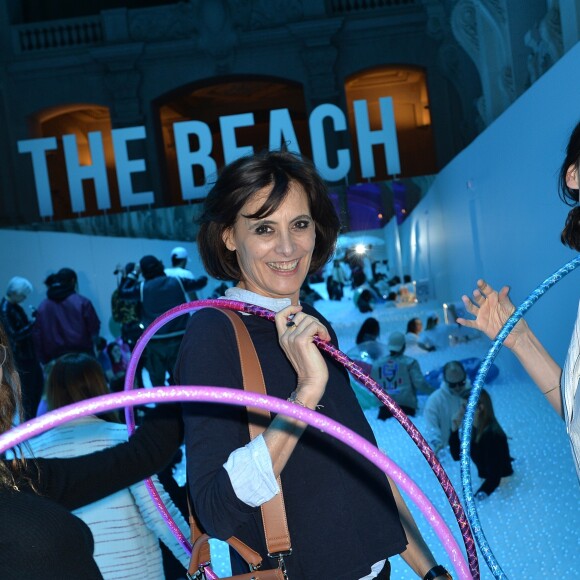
column 204, row 554
column 273, row 511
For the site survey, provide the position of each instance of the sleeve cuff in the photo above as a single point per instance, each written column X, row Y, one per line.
column 251, row 474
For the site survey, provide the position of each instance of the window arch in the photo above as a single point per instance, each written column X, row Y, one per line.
column 211, row 99
column 407, row 86
column 77, row 119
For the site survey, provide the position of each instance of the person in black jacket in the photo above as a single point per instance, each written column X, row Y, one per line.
column 489, row 446
column 39, row 537
column 19, row 329
column 157, row 294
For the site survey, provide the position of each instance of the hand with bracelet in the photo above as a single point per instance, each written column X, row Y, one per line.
column 491, row 310
column 296, row 332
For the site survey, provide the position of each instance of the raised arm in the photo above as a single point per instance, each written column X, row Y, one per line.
column 297, row 341
column 77, row 481
column 491, row 310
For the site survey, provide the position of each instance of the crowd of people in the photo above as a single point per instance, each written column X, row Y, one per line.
column 67, row 322
column 267, row 224
column 403, row 379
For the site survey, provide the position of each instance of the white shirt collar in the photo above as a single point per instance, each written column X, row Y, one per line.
column 242, row 295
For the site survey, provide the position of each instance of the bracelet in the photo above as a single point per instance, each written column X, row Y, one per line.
column 437, row 571
column 293, row 398
column 550, row 390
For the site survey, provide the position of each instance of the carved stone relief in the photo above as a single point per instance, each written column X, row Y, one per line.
column 545, row 43
column 481, row 29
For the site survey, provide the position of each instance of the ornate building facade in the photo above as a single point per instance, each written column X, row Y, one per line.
column 86, row 84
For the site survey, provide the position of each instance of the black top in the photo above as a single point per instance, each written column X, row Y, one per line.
column 157, row 296
column 39, row 537
column 18, row 328
column 341, row 513
column 490, row 454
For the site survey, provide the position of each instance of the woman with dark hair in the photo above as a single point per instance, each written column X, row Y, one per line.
column 368, row 348
column 413, row 336
column 492, row 309
column 489, row 445
column 267, row 223
column 39, row 537
column 65, row 320
column 126, row 525
column 369, row 330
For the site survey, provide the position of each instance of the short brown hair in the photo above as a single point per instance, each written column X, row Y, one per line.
column 242, row 179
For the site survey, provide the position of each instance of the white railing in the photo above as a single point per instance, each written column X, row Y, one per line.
column 57, row 34
column 338, row 7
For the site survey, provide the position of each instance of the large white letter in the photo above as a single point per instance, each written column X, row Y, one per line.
column 386, row 136
column 126, row 166
column 319, row 153
column 76, row 172
column 38, row 147
column 186, row 158
column 282, row 131
column 228, row 126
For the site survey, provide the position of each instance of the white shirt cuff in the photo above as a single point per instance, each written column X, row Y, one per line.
column 375, row 569
column 251, row 473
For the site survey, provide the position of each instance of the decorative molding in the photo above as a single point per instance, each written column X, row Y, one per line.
column 123, row 80
column 320, row 62
column 545, row 43
column 319, row 55
column 162, row 23
column 437, row 20
column 481, row 28
column 497, row 9
column 217, row 35
column 271, row 13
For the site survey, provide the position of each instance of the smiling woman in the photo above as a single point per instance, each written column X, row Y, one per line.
column 267, row 223
column 274, row 253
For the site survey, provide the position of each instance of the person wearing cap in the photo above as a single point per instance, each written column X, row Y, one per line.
column 157, row 294
column 400, row 376
column 443, row 405
column 179, row 257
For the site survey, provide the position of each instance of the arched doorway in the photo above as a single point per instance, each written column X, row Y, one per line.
column 407, row 86
column 87, row 128
column 210, row 100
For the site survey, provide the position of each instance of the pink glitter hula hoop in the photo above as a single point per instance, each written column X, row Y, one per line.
column 355, row 370
column 237, row 397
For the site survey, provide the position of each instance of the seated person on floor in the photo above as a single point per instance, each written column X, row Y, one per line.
column 443, row 405
column 414, row 338
column 489, row 446
column 400, row 376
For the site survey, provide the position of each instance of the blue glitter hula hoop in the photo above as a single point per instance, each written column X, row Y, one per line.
column 467, row 424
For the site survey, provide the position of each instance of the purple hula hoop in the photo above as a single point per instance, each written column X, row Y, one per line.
column 351, row 367
column 244, row 398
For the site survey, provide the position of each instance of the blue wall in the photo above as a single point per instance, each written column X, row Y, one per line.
column 494, row 211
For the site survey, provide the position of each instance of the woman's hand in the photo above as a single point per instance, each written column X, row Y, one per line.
column 491, row 310
column 296, row 332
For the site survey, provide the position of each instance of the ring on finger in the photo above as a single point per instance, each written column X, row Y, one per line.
column 290, row 325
